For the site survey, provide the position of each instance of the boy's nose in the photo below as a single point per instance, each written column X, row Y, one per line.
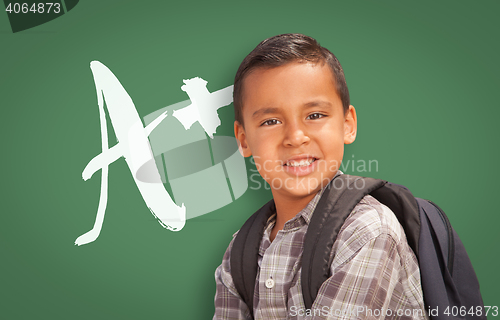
column 295, row 135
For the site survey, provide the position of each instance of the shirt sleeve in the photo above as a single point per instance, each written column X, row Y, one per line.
column 228, row 303
column 375, row 274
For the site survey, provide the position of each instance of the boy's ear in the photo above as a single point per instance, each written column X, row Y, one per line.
column 350, row 125
column 241, row 138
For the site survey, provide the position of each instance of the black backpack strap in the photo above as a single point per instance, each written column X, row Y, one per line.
column 245, row 251
column 404, row 205
column 338, row 200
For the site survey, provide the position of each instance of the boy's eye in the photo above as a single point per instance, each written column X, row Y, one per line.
column 270, row 122
column 314, row 116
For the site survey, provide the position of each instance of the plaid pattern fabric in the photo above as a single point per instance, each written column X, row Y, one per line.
column 374, row 273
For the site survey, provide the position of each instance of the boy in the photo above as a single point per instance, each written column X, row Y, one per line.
column 293, row 116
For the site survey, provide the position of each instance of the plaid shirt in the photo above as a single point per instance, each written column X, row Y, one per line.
column 374, row 272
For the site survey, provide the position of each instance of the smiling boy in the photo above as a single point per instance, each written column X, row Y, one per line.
column 293, row 116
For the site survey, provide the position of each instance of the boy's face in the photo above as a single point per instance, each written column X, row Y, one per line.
column 294, row 126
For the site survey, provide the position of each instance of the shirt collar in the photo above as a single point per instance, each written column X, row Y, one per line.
column 307, row 212
column 296, row 221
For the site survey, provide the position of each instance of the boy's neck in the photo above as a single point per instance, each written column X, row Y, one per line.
column 286, row 209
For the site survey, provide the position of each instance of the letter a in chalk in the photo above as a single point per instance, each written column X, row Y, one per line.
column 134, row 146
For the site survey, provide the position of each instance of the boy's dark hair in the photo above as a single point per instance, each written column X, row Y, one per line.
column 280, row 50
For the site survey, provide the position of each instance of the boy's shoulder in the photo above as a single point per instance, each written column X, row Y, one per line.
column 373, row 218
column 368, row 220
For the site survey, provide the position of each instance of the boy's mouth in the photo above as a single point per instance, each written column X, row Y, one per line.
column 300, row 163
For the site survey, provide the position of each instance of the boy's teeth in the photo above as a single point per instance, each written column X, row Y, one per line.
column 301, row 163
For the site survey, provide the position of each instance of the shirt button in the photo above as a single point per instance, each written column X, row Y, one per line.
column 269, row 283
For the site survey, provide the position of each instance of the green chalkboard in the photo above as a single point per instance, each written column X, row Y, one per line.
column 423, row 76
